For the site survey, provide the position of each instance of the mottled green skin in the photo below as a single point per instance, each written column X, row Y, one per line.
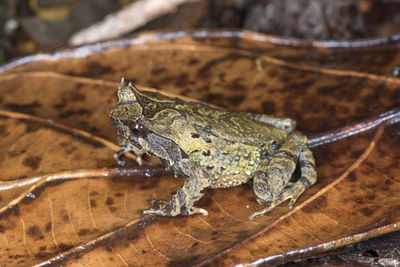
column 213, row 148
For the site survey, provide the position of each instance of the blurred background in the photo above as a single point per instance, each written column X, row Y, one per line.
column 31, row 26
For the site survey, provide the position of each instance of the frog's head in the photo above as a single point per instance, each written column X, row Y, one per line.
column 125, row 115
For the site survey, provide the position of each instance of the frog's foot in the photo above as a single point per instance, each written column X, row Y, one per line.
column 161, row 212
column 167, row 208
column 118, row 155
column 271, row 180
column 292, row 193
column 194, row 210
column 164, row 209
column 126, row 148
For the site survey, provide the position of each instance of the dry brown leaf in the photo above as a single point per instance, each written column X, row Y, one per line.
column 58, row 207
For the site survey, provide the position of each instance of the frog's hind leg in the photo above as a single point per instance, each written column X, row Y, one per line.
column 271, row 179
column 281, row 123
column 182, row 202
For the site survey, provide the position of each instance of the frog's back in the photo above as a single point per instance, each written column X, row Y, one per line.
column 233, row 126
column 206, row 123
column 228, row 166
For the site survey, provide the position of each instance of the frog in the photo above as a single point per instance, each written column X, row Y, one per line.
column 211, row 147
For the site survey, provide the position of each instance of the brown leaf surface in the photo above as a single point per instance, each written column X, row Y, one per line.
column 62, row 201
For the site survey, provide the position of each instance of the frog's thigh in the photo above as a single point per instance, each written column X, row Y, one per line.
column 269, row 182
column 182, row 202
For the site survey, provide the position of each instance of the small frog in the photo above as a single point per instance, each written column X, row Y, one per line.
column 213, row 148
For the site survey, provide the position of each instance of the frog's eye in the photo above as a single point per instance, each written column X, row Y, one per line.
column 138, row 129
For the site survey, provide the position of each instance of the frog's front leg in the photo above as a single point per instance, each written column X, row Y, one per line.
column 182, row 202
column 272, row 177
column 126, row 147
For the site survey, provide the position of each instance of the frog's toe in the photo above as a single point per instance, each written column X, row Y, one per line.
column 194, row 210
column 265, row 210
column 139, row 160
column 292, row 201
column 154, row 211
column 287, row 194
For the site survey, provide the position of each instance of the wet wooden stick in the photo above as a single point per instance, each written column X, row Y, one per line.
column 125, row 20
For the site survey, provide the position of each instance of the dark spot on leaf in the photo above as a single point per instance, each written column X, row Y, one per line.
column 32, row 162
column 70, row 113
column 356, row 154
column 205, row 70
column 144, row 251
column 235, row 100
column 3, row 129
column 97, row 68
column 158, row 71
column 60, row 105
column 388, row 182
column 367, row 212
column 76, row 96
column 70, row 149
column 32, row 127
column 213, row 98
column 94, row 130
column 272, row 72
column 261, row 84
column 236, row 85
column 112, row 209
column 108, row 249
column 35, row 232
column 64, row 247
column 322, row 202
column 193, row 61
column 63, row 144
column 184, row 262
column 240, row 235
column 268, row 107
column 93, row 193
column 93, row 203
column 221, row 77
column 24, row 108
column 352, row 177
column 48, row 227
column 182, row 80
column 109, row 201
column 83, row 231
